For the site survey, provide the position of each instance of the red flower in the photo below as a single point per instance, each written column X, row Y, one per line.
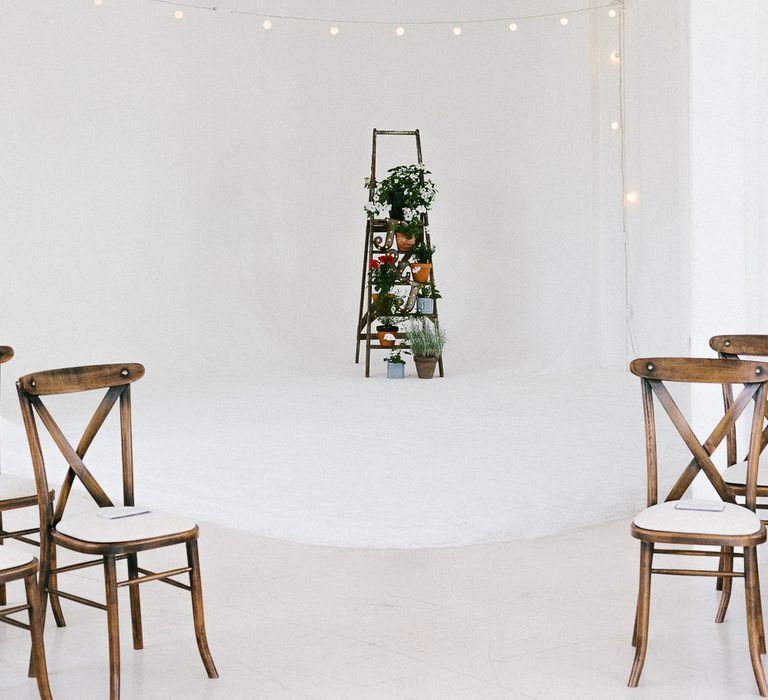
column 387, row 259
column 373, row 265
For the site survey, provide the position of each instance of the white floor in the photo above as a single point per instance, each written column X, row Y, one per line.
column 335, row 459
column 542, row 618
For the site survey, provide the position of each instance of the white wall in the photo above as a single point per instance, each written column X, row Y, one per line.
column 188, row 194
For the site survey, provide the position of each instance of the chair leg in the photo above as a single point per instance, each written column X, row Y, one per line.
column 133, row 572
column 113, row 626
column 726, row 565
column 759, row 609
column 58, row 614
column 3, row 595
column 720, row 561
column 193, row 561
column 36, row 630
column 752, row 587
column 643, row 610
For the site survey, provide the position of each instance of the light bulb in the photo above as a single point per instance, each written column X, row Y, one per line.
column 632, row 197
column 400, row 31
column 267, row 24
column 563, row 21
column 457, row 31
column 178, row 14
column 615, row 57
column 334, row 30
column 513, row 27
column 611, row 13
column 615, row 126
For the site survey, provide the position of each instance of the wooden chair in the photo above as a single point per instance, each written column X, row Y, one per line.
column 733, row 347
column 15, row 566
column 734, row 526
column 92, row 533
column 20, row 492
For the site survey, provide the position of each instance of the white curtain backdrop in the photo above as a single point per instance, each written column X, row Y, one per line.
column 188, row 194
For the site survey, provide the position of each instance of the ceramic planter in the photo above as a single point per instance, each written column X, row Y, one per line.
column 395, row 370
column 425, row 306
column 420, row 272
column 425, row 366
column 387, row 336
column 404, row 244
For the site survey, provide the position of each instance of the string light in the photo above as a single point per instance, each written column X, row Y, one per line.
column 611, row 13
column 457, row 31
column 615, row 126
column 513, row 27
column 334, row 30
column 563, row 21
column 400, row 31
column 267, row 24
column 178, row 14
column 632, row 197
column 615, row 57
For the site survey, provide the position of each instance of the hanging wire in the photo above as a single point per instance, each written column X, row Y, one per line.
column 629, row 340
column 423, row 23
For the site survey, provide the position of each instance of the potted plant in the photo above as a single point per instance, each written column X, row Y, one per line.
column 406, row 190
column 406, row 234
column 427, row 342
column 395, row 364
column 383, row 273
column 425, row 301
column 422, row 265
column 385, row 309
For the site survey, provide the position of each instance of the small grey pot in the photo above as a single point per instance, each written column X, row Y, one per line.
column 395, row 370
column 425, row 306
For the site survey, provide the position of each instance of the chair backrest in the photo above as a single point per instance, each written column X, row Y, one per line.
column 116, row 379
column 6, row 353
column 731, row 347
column 654, row 372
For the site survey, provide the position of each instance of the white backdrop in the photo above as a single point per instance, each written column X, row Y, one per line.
column 188, row 194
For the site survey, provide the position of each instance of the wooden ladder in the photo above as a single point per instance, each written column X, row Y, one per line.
column 379, row 239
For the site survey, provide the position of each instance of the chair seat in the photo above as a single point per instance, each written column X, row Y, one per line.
column 12, row 558
column 736, row 475
column 92, row 527
column 14, row 487
column 733, row 520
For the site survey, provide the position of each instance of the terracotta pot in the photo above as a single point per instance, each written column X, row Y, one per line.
column 383, row 332
column 420, row 272
column 425, row 366
column 404, row 244
column 375, row 296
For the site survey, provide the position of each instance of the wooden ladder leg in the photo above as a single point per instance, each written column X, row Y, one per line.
column 113, row 625
column 193, row 561
column 40, row 670
column 643, row 611
column 752, row 588
column 58, row 613
column 135, row 595
column 726, row 565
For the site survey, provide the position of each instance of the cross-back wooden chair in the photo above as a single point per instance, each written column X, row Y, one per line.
column 732, row 526
column 17, row 566
column 734, row 347
column 20, row 492
column 91, row 532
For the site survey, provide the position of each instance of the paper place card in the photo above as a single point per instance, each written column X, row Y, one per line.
column 693, row 504
column 121, row 512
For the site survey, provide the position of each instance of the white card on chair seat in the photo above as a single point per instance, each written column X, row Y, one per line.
column 121, row 512
column 694, row 504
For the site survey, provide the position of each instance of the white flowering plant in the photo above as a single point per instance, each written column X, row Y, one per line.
column 407, row 191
